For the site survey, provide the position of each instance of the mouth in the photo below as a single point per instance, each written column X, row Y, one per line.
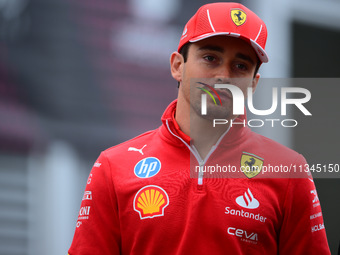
column 224, row 93
column 220, row 93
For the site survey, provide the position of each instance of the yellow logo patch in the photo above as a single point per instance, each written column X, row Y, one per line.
column 251, row 165
column 238, row 16
column 150, row 201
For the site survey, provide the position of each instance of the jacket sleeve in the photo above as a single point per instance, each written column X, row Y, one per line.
column 302, row 230
column 97, row 229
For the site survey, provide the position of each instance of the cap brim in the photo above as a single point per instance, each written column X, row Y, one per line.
column 261, row 53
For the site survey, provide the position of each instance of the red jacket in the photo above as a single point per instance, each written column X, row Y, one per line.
column 147, row 196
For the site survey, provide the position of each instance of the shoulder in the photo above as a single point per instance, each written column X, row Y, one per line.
column 272, row 149
column 278, row 160
column 136, row 144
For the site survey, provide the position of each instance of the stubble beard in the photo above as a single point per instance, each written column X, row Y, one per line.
column 213, row 111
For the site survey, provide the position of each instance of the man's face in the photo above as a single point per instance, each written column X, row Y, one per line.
column 219, row 59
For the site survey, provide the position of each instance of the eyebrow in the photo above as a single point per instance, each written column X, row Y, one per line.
column 245, row 57
column 221, row 50
column 211, row 47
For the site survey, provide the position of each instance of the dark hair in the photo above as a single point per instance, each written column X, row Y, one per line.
column 258, row 64
column 184, row 52
column 185, row 49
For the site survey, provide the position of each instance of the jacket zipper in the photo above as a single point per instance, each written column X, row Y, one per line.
column 194, row 151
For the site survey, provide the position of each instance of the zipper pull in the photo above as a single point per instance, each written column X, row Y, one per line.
column 200, row 174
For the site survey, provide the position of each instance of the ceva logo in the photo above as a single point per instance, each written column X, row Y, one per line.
column 243, row 234
column 147, row 167
column 247, row 200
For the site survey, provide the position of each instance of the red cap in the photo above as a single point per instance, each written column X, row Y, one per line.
column 231, row 19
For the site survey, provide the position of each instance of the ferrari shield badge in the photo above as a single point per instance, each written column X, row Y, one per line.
column 238, row 16
column 251, row 165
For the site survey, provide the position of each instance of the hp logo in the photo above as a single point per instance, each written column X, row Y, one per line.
column 147, row 167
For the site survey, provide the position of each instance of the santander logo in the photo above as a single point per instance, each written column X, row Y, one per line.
column 247, row 200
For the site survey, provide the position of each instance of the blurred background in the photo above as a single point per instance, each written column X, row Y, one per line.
column 79, row 76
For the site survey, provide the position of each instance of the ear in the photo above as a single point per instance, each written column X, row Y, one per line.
column 255, row 82
column 176, row 65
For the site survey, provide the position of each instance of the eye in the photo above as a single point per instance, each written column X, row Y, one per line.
column 210, row 58
column 242, row 67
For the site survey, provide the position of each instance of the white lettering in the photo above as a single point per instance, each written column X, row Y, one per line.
column 239, row 232
column 243, row 234
column 245, row 214
column 262, row 112
column 297, row 101
column 256, row 123
column 292, row 120
column 319, row 214
column 243, row 123
column 84, row 211
column 229, row 231
column 238, row 100
column 272, row 121
column 318, row 227
column 219, row 122
column 261, row 121
column 238, row 97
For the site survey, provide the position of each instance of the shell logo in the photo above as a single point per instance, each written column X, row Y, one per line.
column 150, row 201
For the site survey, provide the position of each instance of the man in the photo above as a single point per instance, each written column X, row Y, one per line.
column 151, row 195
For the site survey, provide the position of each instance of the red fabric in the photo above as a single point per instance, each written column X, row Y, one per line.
column 255, row 215
column 231, row 19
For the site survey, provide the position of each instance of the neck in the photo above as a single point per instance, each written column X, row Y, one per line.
column 201, row 131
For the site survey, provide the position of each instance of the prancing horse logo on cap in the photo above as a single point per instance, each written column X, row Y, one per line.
column 238, row 16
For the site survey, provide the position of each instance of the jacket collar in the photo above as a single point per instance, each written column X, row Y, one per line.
column 171, row 131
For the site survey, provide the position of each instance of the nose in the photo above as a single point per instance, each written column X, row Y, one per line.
column 223, row 75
